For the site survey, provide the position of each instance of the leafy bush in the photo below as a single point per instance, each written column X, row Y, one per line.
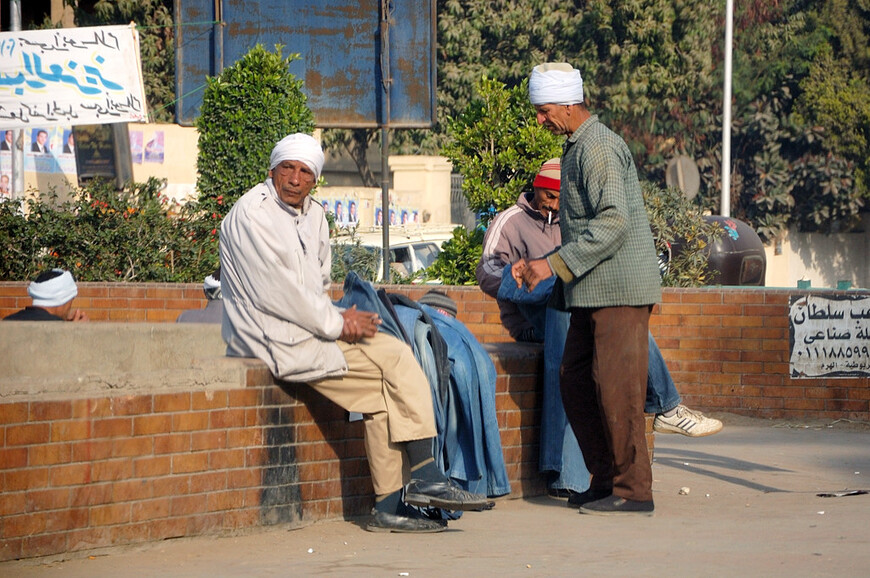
column 676, row 220
column 247, row 109
column 458, row 258
column 498, row 146
column 101, row 234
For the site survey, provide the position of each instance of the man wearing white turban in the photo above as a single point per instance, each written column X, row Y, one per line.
column 52, row 293
column 608, row 279
column 275, row 272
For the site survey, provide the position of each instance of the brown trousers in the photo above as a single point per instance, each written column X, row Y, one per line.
column 384, row 382
column 603, row 381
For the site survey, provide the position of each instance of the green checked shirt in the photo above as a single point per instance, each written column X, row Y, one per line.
column 607, row 257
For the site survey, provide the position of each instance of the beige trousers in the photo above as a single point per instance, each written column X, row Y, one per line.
column 384, row 382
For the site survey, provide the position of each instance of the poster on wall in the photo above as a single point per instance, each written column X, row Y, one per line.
column 70, row 76
column 829, row 336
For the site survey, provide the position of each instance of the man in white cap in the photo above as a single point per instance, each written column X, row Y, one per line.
column 275, row 267
column 214, row 307
column 608, row 278
column 52, row 293
column 529, row 230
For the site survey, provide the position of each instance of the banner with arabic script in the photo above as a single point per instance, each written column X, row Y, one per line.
column 70, row 76
column 829, row 336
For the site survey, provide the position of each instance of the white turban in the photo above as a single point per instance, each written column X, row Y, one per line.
column 555, row 83
column 298, row 147
column 53, row 292
column 212, row 287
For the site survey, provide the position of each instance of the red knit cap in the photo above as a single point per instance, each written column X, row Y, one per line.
column 550, row 175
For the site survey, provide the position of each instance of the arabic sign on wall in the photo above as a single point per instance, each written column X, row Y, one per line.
column 70, row 76
column 829, row 336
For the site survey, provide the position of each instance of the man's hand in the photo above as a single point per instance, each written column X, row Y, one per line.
column 358, row 324
column 77, row 315
column 517, row 272
column 534, row 272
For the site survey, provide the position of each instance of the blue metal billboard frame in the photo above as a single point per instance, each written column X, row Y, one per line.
column 340, row 47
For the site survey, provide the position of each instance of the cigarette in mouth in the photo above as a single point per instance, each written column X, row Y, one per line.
column 549, row 217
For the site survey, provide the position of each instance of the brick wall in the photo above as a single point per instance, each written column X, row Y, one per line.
column 78, row 474
column 727, row 347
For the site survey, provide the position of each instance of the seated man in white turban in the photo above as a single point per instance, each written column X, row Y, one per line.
column 52, row 293
column 275, row 266
column 214, row 308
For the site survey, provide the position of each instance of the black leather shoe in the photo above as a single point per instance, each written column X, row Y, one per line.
column 384, row 522
column 616, row 506
column 444, row 495
column 575, row 500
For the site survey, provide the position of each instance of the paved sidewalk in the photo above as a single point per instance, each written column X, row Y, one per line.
column 751, row 510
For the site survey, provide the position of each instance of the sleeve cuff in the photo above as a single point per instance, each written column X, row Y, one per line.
column 560, row 268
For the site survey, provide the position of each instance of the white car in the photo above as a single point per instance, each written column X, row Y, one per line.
column 412, row 249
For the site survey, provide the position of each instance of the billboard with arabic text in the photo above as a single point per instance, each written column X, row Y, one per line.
column 70, row 76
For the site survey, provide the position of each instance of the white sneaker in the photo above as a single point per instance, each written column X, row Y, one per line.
column 687, row 422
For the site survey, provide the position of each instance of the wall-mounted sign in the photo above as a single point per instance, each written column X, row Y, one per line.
column 829, row 336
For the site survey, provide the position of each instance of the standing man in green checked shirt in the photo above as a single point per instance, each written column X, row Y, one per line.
column 608, row 279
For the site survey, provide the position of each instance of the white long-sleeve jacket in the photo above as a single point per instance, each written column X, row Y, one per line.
column 275, row 272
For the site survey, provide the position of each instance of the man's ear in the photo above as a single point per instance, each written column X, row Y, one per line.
column 270, row 173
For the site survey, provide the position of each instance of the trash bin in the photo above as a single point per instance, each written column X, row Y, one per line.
column 737, row 257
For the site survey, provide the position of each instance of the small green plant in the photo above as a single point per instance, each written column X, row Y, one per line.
column 676, row 220
column 458, row 258
column 498, row 147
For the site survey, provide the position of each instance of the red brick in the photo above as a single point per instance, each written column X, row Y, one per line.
column 167, row 528
column 49, row 454
column 208, row 440
column 171, row 486
column 45, row 544
column 13, row 413
column 187, row 505
column 208, row 400
column 25, row 524
column 50, row 410
column 190, row 421
column 90, row 495
column 171, row 444
column 226, row 459
column 11, row 458
column 112, row 470
column 25, row 479
column 149, row 509
column 229, row 418
column 77, row 429
column 11, row 503
column 209, row 481
column 187, row 463
column 137, row 446
column 47, row 499
column 172, row 402
column 26, row 434
column 112, row 427
column 109, row 514
column 152, row 424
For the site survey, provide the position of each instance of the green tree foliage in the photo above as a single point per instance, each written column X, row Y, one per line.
column 101, row 234
column 497, row 146
column 653, row 70
column 458, row 258
column 154, row 19
column 245, row 110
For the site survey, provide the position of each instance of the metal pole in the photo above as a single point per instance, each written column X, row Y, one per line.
column 386, row 79
column 17, row 180
column 725, row 208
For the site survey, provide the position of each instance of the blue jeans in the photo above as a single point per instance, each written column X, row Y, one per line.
column 560, row 452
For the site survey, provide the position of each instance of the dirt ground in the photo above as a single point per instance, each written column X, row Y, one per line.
column 743, row 503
